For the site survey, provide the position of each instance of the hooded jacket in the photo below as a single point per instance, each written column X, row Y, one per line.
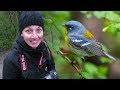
column 12, row 65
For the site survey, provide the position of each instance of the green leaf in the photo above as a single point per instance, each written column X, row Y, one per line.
column 105, row 60
column 87, row 75
column 90, row 68
column 99, row 14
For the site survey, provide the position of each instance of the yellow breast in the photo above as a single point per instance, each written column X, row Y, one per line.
column 66, row 40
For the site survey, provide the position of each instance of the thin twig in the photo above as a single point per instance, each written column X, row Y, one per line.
column 73, row 64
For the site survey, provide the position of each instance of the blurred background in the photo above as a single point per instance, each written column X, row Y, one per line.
column 104, row 25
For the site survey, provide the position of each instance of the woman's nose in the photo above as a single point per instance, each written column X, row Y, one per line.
column 34, row 34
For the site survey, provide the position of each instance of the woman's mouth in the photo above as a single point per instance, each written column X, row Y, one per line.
column 33, row 42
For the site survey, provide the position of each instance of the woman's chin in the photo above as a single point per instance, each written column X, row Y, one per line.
column 34, row 46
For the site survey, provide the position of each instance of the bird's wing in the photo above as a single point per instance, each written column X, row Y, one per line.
column 78, row 41
column 96, row 48
column 88, row 35
column 91, row 46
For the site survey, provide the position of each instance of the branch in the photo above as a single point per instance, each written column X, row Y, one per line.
column 72, row 63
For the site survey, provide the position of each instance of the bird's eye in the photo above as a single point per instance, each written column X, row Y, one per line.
column 70, row 28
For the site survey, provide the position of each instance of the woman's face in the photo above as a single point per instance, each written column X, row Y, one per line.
column 33, row 35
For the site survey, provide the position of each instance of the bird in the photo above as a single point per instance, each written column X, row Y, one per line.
column 82, row 42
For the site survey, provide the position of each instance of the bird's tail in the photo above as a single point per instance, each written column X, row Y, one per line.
column 109, row 56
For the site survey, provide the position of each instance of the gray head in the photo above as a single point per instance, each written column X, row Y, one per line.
column 75, row 25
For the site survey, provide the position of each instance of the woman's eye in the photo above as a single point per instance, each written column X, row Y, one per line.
column 28, row 31
column 39, row 30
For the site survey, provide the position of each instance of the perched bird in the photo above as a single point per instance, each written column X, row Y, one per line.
column 82, row 42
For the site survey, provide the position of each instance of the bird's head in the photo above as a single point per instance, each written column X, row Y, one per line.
column 74, row 26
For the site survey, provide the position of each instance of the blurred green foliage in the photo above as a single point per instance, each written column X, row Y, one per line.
column 91, row 71
column 110, row 20
column 7, row 30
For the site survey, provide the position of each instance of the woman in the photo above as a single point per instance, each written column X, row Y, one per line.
column 30, row 57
